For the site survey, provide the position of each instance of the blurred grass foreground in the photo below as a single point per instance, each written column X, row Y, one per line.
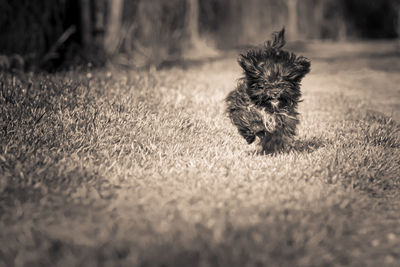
column 126, row 165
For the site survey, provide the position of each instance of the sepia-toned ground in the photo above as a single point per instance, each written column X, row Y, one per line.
column 126, row 168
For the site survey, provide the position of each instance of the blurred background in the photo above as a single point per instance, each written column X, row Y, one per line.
column 50, row 34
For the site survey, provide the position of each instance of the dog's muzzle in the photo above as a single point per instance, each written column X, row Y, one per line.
column 274, row 104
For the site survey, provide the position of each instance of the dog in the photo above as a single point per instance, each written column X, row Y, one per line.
column 264, row 103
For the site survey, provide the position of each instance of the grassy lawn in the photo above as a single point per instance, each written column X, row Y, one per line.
column 143, row 168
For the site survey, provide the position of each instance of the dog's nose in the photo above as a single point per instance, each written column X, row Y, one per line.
column 275, row 94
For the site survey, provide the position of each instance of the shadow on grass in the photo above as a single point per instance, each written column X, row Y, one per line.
column 307, row 145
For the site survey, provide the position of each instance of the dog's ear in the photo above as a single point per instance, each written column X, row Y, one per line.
column 301, row 68
column 250, row 65
column 245, row 62
column 278, row 42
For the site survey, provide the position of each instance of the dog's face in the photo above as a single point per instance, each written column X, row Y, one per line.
column 275, row 85
column 273, row 76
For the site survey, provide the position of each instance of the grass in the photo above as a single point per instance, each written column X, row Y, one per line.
column 127, row 168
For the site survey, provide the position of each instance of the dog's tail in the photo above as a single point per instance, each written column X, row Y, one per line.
column 278, row 42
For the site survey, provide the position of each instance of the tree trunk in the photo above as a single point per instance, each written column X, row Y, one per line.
column 342, row 31
column 192, row 21
column 398, row 21
column 292, row 19
column 195, row 47
column 99, row 10
column 318, row 19
column 113, row 26
column 86, row 23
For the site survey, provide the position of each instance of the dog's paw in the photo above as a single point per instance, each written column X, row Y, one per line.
column 250, row 138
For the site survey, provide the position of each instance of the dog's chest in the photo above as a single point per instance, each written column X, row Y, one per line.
column 268, row 119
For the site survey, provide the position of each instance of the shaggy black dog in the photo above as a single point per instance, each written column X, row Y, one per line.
column 264, row 103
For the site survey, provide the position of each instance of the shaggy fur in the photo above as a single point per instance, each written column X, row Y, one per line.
column 264, row 103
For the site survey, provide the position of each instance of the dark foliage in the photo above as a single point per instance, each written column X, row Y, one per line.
column 372, row 19
column 31, row 28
